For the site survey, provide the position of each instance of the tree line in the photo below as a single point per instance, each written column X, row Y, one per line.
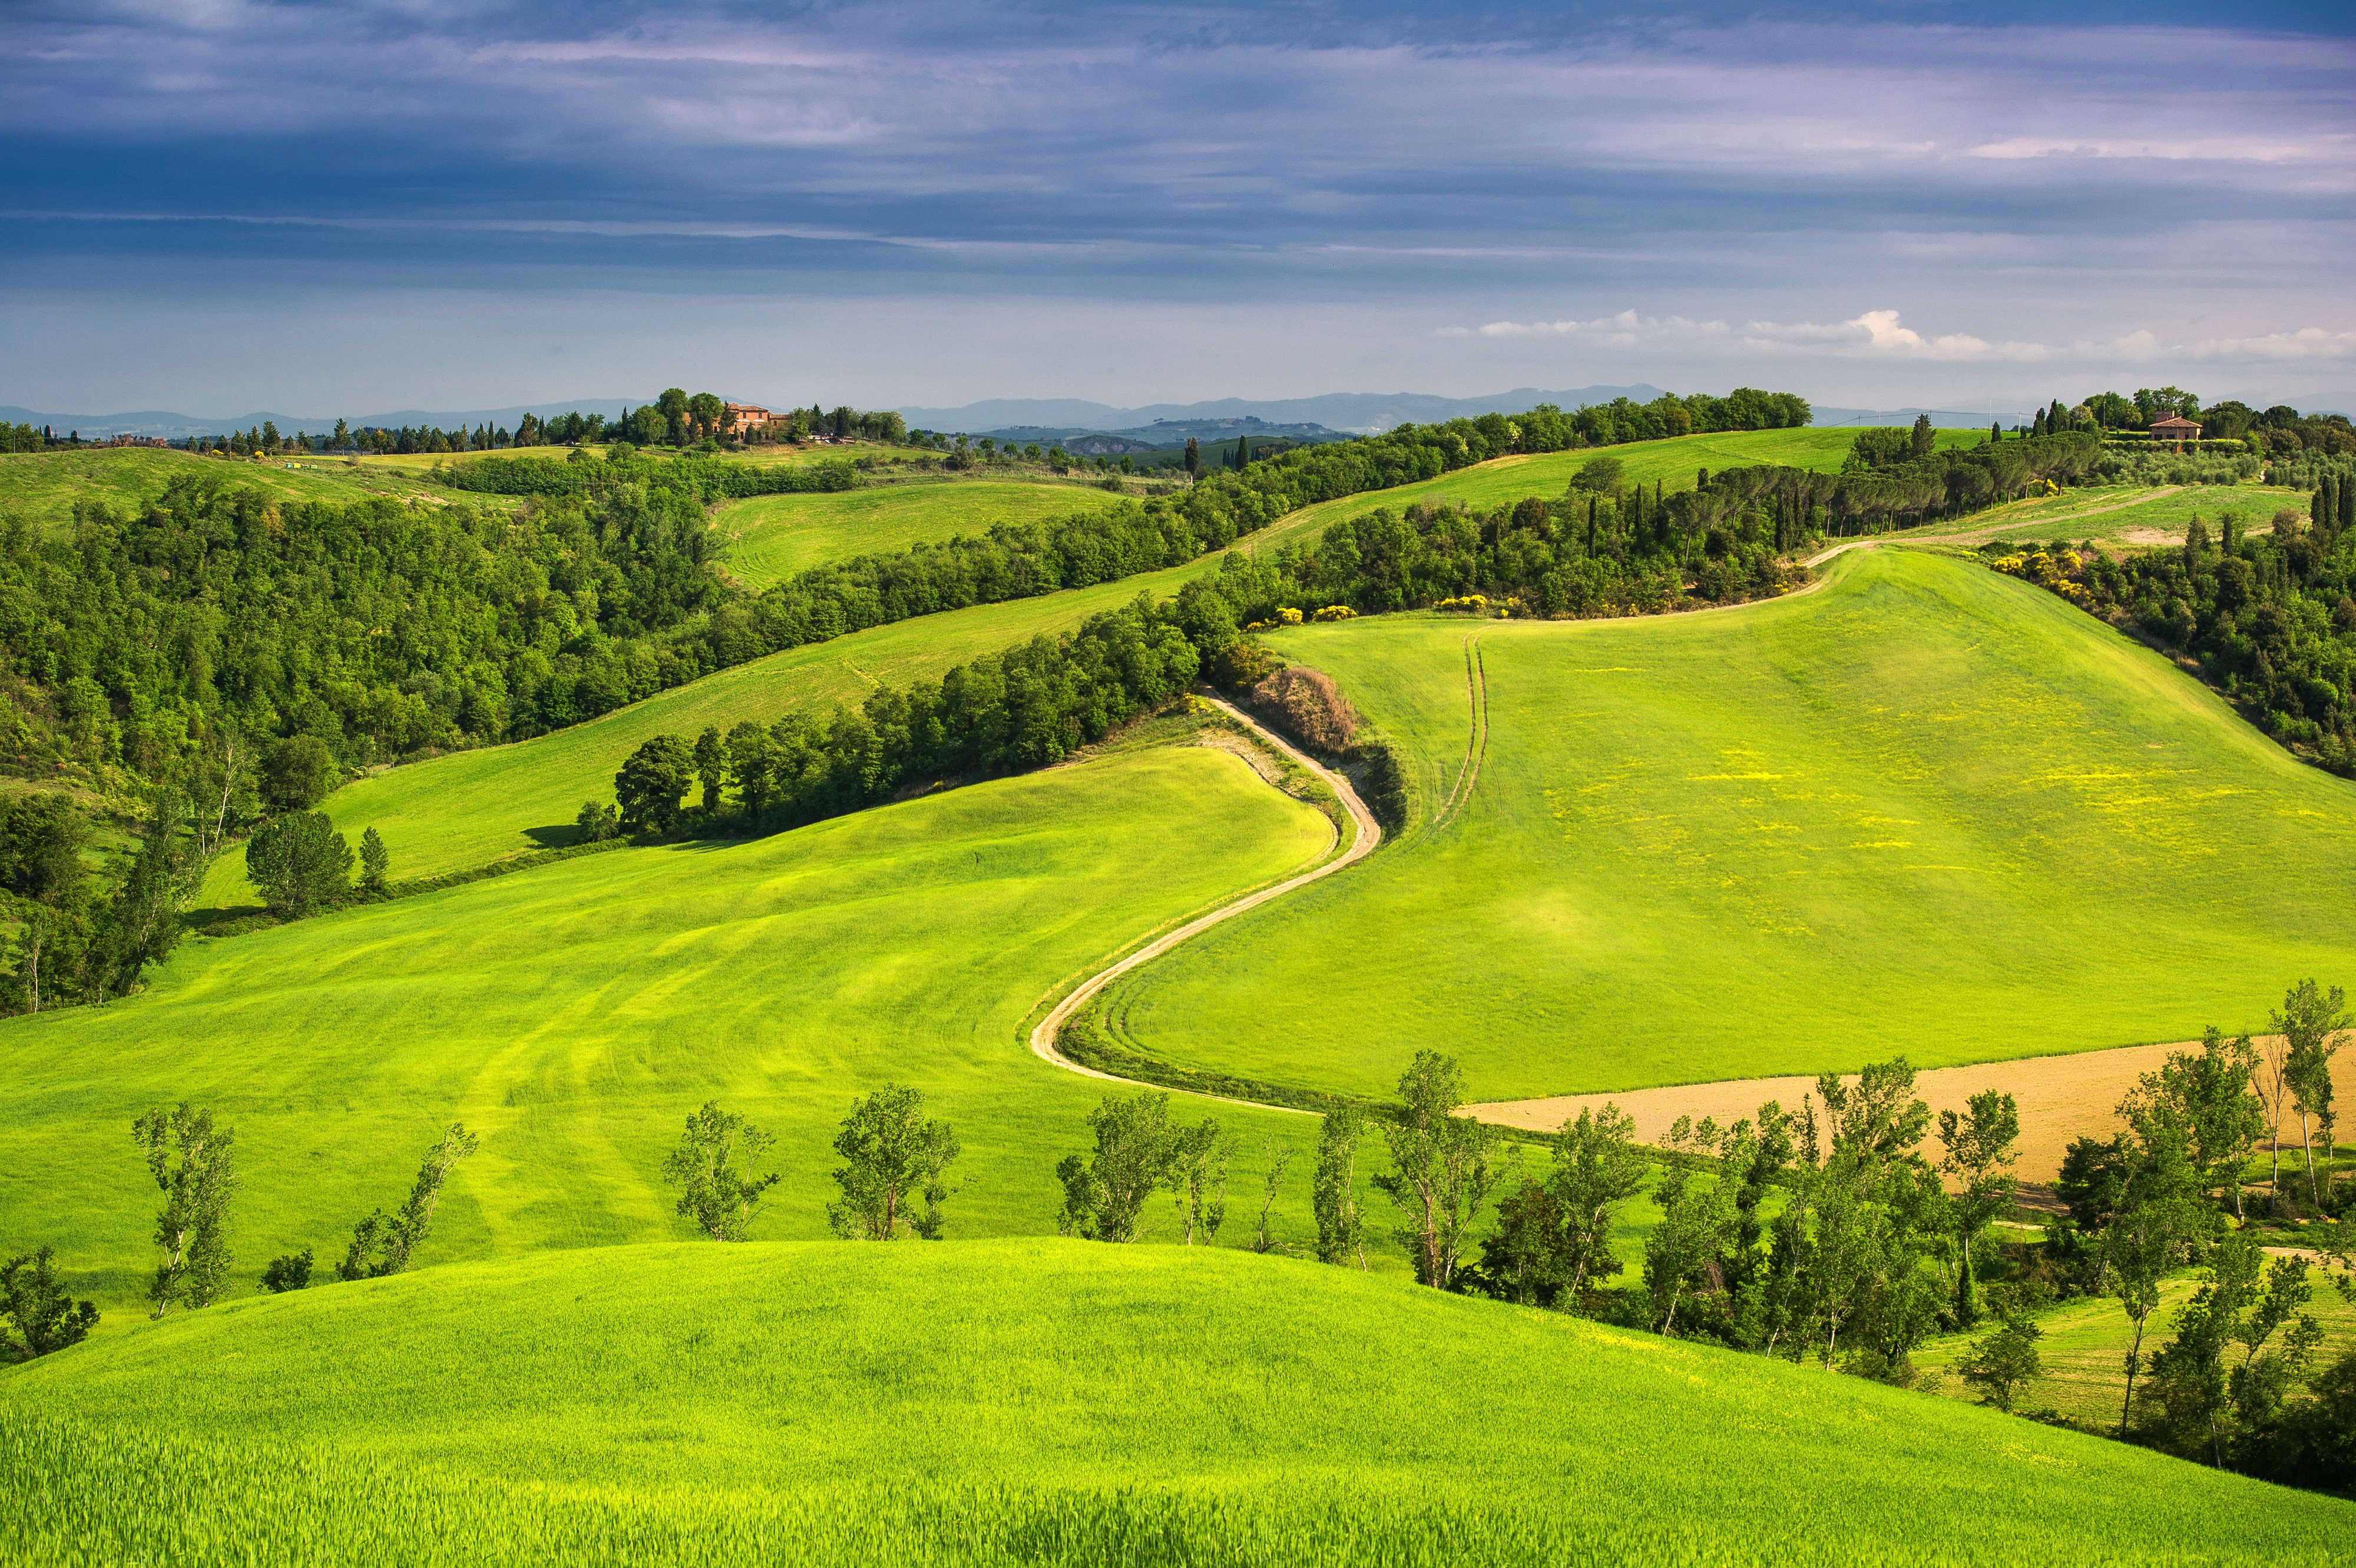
column 2271, row 617
column 891, row 1186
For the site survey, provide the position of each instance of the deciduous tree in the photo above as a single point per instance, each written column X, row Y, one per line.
column 1333, row 1190
column 1443, row 1166
column 36, row 1314
column 300, row 863
column 711, row 1168
column 384, row 1243
column 893, row 1157
column 191, row 1162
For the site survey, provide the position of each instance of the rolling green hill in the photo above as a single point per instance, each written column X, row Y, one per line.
column 1057, row 1402
column 575, row 1015
column 2124, row 515
column 43, row 487
column 473, row 807
column 1925, row 809
column 770, row 538
column 1669, row 463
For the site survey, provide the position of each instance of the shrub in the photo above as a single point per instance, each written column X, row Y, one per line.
column 1307, row 705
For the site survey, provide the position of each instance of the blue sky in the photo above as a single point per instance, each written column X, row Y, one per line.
column 218, row 205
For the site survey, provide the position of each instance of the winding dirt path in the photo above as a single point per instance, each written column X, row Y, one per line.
column 1370, row 833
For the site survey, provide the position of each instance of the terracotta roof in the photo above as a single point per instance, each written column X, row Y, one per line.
column 2175, row 422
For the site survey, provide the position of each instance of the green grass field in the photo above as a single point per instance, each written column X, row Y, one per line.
column 473, row 807
column 1671, row 463
column 1925, row 809
column 1050, row 1401
column 574, row 1016
column 42, row 487
column 770, row 538
column 2126, row 517
column 2086, row 1342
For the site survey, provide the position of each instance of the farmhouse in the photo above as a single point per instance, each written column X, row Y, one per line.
column 2175, row 427
column 745, row 416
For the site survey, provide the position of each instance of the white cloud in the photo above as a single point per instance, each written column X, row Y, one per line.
column 1874, row 335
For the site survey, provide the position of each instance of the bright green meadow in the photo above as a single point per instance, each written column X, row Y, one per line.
column 1040, row 1401
column 42, row 488
column 1672, row 464
column 2132, row 516
column 770, row 538
column 470, row 807
column 575, row 1014
column 1924, row 809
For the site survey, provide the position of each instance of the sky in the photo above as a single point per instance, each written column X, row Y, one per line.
column 213, row 206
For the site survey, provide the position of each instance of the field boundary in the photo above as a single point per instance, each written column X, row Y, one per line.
column 1044, row 1042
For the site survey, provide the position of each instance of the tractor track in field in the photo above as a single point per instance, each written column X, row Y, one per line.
column 1370, row 833
column 1476, row 741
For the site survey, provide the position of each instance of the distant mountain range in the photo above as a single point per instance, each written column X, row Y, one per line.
column 1354, row 414
column 1163, row 425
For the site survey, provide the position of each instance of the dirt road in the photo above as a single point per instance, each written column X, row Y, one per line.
column 1369, row 835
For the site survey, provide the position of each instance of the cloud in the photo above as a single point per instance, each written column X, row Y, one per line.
column 1874, row 334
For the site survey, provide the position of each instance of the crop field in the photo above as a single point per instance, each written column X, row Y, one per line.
column 574, row 1015
column 1671, row 463
column 473, row 807
column 1924, row 809
column 770, row 538
column 1044, row 1400
column 42, row 487
column 2123, row 516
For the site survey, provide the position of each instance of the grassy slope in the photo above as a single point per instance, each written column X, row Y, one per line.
column 2111, row 512
column 2086, row 1342
column 1270, row 1383
column 1924, row 810
column 1671, row 463
column 473, row 807
column 770, row 538
column 575, row 1014
column 42, row 487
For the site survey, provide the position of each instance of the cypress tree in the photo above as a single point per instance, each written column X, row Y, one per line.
column 2037, row 425
column 2319, row 505
column 1996, row 434
column 1591, row 524
column 2347, row 494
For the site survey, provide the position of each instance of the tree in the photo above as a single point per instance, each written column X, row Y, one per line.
column 2144, row 1242
column 1279, row 1159
column 190, row 1160
column 2002, row 1361
column 1194, row 459
column 672, row 406
column 1920, row 440
column 749, row 763
column 1197, row 1178
column 892, row 1157
column 710, row 766
column 1105, row 1193
column 595, row 823
column 374, row 864
column 711, row 1170
column 1334, row 1189
column 41, row 840
column 2312, row 1028
column 296, row 773
column 384, row 1243
column 2206, row 1102
column 1597, row 1169
column 1978, row 1159
column 300, row 863
column 36, row 1314
column 1697, row 1220
column 288, row 1272
column 141, row 923
column 1525, row 1258
column 1443, row 1166
column 651, row 783
column 706, row 410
